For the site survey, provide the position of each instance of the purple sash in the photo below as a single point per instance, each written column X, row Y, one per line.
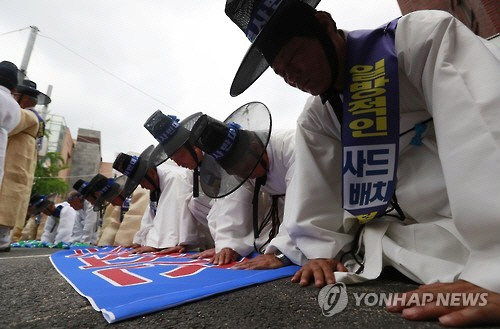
column 370, row 125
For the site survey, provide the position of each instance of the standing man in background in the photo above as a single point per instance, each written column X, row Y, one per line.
column 10, row 116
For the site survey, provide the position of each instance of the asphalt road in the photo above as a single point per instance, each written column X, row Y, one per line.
column 34, row 295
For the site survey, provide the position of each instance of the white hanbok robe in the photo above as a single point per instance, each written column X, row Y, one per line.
column 59, row 229
column 10, row 115
column 173, row 223
column 231, row 219
column 449, row 187
column 85, row 229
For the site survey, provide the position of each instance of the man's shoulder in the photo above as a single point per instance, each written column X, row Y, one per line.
column 425, row 18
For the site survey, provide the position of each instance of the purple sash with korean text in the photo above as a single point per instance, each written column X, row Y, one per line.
column 370, row 125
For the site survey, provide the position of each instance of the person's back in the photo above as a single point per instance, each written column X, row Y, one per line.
column 85, row 229
column 59, row 225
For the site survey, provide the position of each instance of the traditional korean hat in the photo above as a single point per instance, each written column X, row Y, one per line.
column 8, row 74
column 172, row 135
column 28, row 87
column 39, row 202
column 113, row 188
column 88, row 189
column 233, row 148
column 168, row 131
column 268, row 24
column 81, row 187
column 136, row 167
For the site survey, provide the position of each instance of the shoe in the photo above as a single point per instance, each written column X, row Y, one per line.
column 4, row 238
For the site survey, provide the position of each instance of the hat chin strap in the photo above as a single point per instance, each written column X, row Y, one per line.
column 152, row 182
column 196, row 171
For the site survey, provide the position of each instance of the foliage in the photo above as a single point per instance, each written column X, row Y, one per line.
column 46, row 175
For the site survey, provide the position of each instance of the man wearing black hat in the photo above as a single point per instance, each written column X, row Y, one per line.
column 10, row 116
column 21, row 157
column 28, row 97
column 242, row 158
column 86, row 224
column 10, row 113
column 59, row 224
column 119, row 223
column 405, row 109
column 173, row 138
column 168, row 221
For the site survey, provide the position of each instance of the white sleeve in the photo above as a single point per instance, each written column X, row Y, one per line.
column 458, row 75
column 172, row 206
column 4, row 135
column 89, row 234
column 66, row 223
column 232, row 216
column 146, row 224
column 313, row 213
column 284, row 243
column 76, row 235
column 49, row 230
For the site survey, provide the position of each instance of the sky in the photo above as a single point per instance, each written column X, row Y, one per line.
column 112, row 63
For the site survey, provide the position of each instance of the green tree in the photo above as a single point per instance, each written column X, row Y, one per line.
column 46, row 175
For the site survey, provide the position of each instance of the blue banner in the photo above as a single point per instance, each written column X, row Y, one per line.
column 123, row 285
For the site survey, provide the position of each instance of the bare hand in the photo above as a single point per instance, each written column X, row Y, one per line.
column 261, row 262
column 209, row 253
column 172, row 250
column 143, row 249
column 485, row 311
column 225, row 256
column 321, row 270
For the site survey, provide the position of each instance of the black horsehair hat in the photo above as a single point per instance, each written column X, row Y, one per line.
column 268, row 24
column 136, row 167
column 168, row 131
column 233, row 148
column 39, row 202
column 113, row 188
column 28, row 87
column 8, row 74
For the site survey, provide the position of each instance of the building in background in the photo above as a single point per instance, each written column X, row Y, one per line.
column 58, row 139
column 481, row 16
column 86, row 160
column 107, row 170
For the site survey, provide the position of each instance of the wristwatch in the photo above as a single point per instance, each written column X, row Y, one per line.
column 282, row 258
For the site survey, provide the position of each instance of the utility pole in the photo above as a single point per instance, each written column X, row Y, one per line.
column 27, row 53
column 45, row 109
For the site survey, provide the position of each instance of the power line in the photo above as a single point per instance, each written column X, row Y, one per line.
column 111, row 74
column 14, row 31
column 63, row 177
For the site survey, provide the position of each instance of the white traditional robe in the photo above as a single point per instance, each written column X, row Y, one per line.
column 59, row 229
column 449, row 187
column 231, row 217
column 85, row 229
column 10, row 115
column 173, row 222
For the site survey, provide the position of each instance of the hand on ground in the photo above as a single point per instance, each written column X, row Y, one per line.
column 320, row 271
column 261, row 262
column 209, row 253
column 459, row 312
column 143, row 249
column 225, row 256
column 172, row 250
